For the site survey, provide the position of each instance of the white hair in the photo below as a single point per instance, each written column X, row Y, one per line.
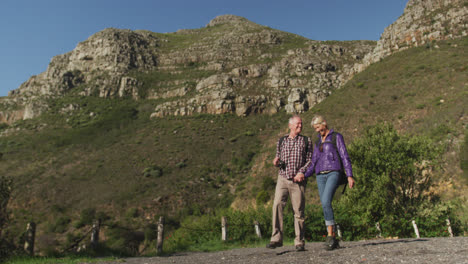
column 318, row 119
column 291, row 119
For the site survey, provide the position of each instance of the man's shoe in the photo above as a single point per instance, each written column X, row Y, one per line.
column 300, row 248
column 273, row 245
column 331, row 243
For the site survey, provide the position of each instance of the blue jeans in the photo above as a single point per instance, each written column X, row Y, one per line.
column 327, row 185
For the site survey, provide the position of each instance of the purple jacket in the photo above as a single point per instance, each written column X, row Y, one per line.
column 327, row 160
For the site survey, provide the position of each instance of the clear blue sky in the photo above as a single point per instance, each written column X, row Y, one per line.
column 33, row 31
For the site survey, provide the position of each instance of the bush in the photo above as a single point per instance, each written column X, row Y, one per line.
column 124, row 241
column 86, row 218
column 464, row 156
column 268, row 183
column 262, row 198
column 151, row 232
column 5, row 192
column 196, row 232
column 60, row 226
column 153, row 171
column 132, row 213
column 394, row 176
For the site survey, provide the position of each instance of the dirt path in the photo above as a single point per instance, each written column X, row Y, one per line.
column 424, row 250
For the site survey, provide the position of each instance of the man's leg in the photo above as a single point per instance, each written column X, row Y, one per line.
column 281, row 197
column 297, row 192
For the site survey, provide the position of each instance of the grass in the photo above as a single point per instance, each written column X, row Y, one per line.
column 411, row 90
column 102, row 163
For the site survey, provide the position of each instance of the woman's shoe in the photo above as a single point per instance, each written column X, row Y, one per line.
column 331, row 243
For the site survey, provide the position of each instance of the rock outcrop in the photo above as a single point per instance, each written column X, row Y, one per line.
column 230, row 66
column 422, row 22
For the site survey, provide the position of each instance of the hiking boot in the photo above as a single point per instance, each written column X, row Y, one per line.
column 331, row 243
column 300, row 248
column 273, row 245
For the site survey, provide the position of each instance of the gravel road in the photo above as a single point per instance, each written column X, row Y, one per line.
column 424, row 250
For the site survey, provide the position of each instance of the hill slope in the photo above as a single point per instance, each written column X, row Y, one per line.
column 88, row 143
column 124, row 162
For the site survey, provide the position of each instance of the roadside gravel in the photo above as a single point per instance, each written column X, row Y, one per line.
column 424, row 250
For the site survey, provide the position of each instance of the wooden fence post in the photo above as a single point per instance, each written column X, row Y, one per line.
column 377, row 226
column 416, row 231
column 95, row 233
column 449, row 228
column 29, row 240
column 160, row 234
column 223, row 228
column 257, row 229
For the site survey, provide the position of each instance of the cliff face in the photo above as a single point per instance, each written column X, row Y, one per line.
column 422, row 22
column 231, row 65
column 107, row 54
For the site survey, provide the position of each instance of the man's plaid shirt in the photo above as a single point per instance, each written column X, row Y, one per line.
column 293, row 152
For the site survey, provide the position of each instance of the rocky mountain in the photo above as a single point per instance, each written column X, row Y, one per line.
column 235, row 66
column 231, row 65
column 421, row 23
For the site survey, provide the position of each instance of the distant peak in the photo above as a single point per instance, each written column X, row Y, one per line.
column 224, row 19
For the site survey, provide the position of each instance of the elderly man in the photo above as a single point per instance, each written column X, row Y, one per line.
column 293, row 156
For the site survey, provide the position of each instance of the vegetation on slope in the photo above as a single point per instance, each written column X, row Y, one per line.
column 106, row 158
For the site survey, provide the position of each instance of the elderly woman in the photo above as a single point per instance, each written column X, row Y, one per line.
column 329, row 159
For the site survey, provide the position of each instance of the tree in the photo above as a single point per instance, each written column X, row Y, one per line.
column 394, row 177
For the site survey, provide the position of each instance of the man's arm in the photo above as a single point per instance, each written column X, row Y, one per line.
column 278, row 154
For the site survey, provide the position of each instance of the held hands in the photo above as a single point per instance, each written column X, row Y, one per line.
column 299, row 177
column 351, row 182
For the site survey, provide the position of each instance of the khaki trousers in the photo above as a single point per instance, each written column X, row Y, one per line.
column 285, row 189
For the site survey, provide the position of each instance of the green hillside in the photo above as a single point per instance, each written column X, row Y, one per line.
column 122, row 164
column 421, row 91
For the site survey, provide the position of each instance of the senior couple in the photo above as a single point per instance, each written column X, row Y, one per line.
column 298, row 160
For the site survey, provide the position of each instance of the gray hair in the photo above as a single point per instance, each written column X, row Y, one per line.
column 291, row 119
column 318, row 119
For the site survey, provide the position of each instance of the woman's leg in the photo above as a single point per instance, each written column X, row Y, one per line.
column 327, row 184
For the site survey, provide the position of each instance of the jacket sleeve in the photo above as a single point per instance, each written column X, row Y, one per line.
column 311, row 168
column 308, row 156
column 340, row 144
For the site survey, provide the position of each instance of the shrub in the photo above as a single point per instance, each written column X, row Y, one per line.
column 464, row 156
column 262, row 198
column 268, row 183
column 393, row 174
column 132, row 213
column 151, row 232
column 153, row 171
column 5, row 192
column 420, row 106
column 86, row 217
column 60, row 225
column 181, row 165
